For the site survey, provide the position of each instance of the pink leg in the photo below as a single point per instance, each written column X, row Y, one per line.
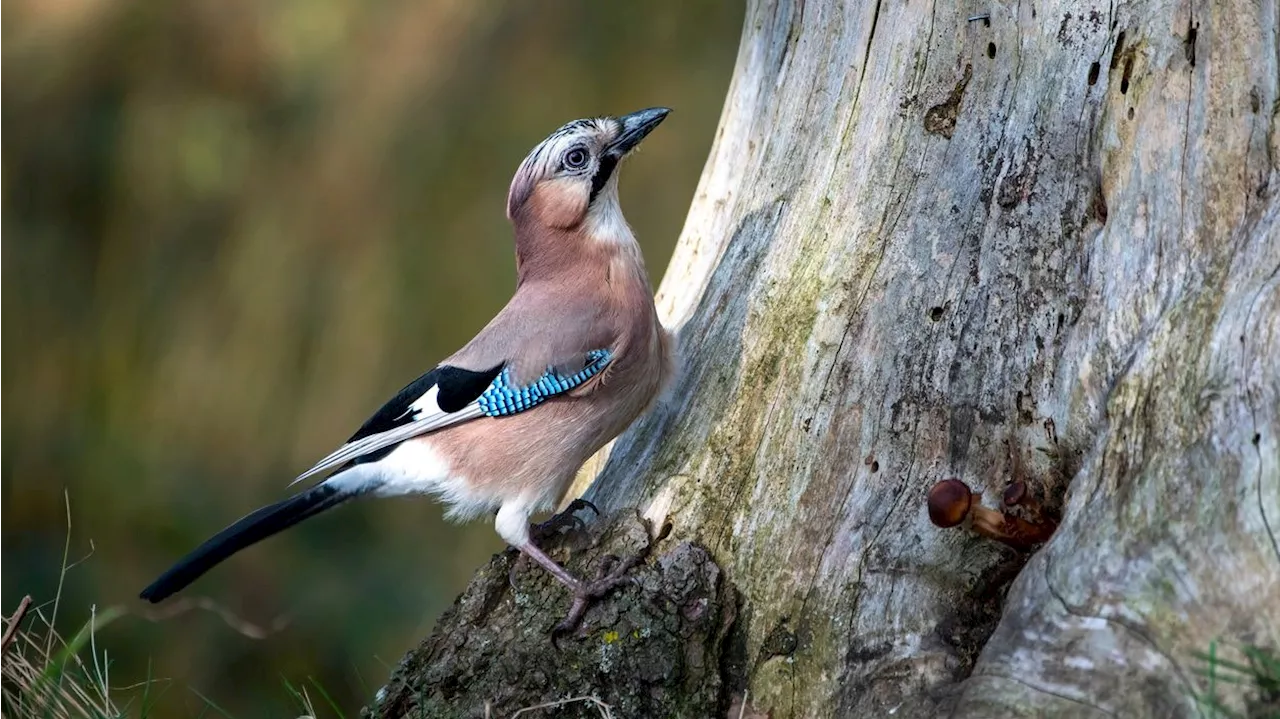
column 612, row 574
column 573, row 583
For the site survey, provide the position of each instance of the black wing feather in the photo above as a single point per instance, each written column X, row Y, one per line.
column 458, row 388
column 396, row 411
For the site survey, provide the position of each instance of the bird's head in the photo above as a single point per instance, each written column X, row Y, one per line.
column 570, row 180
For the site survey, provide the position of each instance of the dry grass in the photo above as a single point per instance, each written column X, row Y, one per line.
column 47, row 676
column 42, row 673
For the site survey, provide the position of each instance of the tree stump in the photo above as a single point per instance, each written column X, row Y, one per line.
column 1003, row 242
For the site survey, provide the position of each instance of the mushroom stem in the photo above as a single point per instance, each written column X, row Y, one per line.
column 951, row 503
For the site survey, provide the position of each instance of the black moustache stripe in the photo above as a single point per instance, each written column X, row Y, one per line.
column 608, row 162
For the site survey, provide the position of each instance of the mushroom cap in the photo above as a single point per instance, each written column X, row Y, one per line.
column 949, row 502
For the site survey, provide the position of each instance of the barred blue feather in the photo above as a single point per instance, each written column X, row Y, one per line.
column 503, row 398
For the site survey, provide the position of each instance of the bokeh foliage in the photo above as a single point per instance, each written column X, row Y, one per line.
column 230, row 229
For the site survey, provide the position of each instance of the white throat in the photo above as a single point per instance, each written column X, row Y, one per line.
column 605, row 222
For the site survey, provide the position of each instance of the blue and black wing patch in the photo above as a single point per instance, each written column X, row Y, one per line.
column 458, row 388
column 502, row 398
column 491, row 389
column 449, row 395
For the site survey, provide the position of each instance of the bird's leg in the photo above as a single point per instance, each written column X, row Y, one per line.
column 568, row 519
column 564, row 576
column 612, row 574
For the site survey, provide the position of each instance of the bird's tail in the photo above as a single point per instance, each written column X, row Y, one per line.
column 251, row 529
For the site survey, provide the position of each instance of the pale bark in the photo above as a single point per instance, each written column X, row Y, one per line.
column 1043, row 246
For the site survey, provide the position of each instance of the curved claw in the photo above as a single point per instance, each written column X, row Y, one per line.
column 511, row 573
column 567, row 519
column 586, row 592
column 581, row 503
column 611, row 574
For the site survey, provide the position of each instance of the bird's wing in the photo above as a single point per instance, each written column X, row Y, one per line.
column 449, row 395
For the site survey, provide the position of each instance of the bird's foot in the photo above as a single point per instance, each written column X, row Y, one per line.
column 554, row 527
column 568, row 519
column 611, row 575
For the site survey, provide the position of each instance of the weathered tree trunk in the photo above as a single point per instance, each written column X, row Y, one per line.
column 1042, row 246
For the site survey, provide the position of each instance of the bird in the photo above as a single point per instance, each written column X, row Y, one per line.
column 503, row 425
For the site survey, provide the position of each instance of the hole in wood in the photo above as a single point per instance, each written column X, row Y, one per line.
column 1191, row 42
column 1100, row 212
column 991, row 49
column 1124, row 79
column 1093, row 74
column 1131, row 113
column 1115, row 54
column 935, row 313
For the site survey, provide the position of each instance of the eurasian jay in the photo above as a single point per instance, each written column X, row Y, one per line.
column 505, row 423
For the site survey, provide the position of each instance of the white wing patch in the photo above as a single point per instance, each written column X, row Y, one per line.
column 427, row 417
column 427, row 403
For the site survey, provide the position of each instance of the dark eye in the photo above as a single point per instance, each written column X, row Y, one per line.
column 575, row 159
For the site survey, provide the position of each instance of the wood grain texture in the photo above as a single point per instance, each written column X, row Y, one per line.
column 1042, row 246
column 928, row 247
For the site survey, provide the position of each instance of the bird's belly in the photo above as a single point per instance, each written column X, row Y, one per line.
column 531, row 457
column 418, row 467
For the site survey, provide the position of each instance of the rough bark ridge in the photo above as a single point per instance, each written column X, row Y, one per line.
column 651, row 650
column 1040, row 246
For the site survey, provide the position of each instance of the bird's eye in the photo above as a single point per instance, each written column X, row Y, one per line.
column 575, row 159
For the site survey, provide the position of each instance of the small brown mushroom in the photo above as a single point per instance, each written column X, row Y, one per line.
column 951, row 502
column 1018, row 495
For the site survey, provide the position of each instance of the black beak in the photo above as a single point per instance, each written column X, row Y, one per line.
column 635, row 127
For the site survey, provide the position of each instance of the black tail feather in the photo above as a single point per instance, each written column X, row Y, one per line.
column 251, row 529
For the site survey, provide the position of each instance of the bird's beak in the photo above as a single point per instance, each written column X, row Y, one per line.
column 634, row 129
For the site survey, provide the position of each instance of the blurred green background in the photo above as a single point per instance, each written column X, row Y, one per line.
column 231, row 229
